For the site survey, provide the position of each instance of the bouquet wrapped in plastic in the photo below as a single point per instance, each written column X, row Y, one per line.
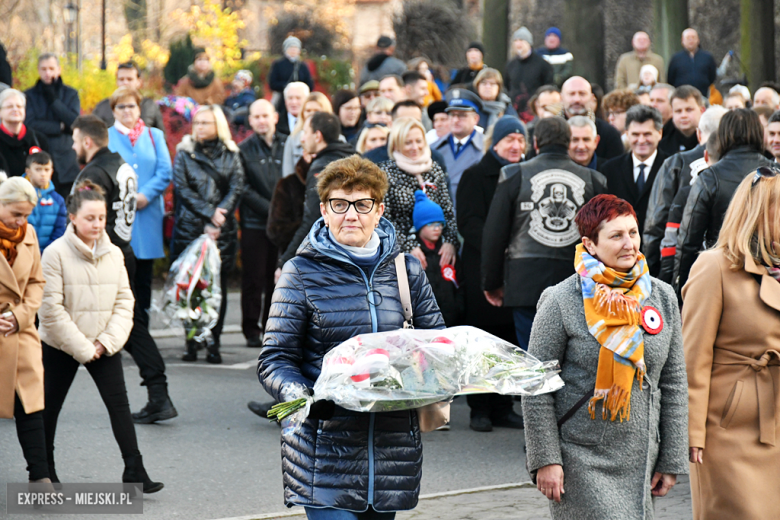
column 409, row 368
column 192, row 291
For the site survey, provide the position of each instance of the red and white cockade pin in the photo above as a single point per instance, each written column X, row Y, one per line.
column 652, row 321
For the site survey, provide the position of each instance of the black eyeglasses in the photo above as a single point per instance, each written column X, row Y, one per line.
column 341, row 206
column 765, row 172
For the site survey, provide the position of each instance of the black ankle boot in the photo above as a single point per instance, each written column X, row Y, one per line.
column 192, row 351
column 214, row 356
column 135, row 473
column 159, row 407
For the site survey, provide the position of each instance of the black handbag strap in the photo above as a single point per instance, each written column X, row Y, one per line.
column 568, row 415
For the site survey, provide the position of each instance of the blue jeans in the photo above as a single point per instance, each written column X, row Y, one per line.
column 524, row 320
column 340, row 514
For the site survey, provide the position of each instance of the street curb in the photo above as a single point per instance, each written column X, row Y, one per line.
column 175, row 332
column 484, row 489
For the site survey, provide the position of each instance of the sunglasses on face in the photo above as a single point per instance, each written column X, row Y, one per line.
column 341, row 206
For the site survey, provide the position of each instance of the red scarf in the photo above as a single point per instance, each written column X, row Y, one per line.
column 136, row 132
column 7, row 132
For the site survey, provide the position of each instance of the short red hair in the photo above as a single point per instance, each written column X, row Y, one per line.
column 599, row 210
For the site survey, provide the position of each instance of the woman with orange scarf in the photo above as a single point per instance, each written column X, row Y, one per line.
column 615, row 436
column 21, row 290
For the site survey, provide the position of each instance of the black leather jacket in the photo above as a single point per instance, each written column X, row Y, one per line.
column 673, row 175
column 263, row 169
column 707, row 204
column 530, row 235
column 202, row 185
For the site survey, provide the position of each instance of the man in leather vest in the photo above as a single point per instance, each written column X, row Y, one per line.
column 108, row 170
column 530, row 236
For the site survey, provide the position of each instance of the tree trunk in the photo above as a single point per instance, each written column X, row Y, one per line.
column 583, row 22
column 670, row 19
column 758, row 41
column 495, row 32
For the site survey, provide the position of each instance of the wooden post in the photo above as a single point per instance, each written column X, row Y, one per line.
column 495, row 32
column 583, row 22
column 758, row 41
column 670, row 19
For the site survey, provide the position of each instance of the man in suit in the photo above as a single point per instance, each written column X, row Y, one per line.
column 631, row 176
column 295, row 95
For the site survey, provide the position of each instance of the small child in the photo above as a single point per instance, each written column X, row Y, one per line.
column 429, row 222
column 50, row 216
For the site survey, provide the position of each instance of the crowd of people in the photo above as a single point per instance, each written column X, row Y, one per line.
column 571, row 223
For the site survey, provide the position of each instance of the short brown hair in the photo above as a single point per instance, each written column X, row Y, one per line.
column 123, row 93
column 488, row 73
column 84, row 191
column 621, row 99
column 684, row 92
column 351, row 174
column 95, row 128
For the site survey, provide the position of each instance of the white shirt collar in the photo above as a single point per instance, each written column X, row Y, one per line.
column 649, row 161
column 122, row 128
column 291, row 120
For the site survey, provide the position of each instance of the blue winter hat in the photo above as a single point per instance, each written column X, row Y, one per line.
column 555, row 31
column 425, row 211
column 508, row 125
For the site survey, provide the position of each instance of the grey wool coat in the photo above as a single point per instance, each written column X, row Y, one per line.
column 607, row 465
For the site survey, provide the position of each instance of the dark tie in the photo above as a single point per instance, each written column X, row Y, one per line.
column 458, row 146
column 640, row 180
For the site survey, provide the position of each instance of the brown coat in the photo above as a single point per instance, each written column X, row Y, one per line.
column 731, row 333
column 21, row 365
column 214, row 94
column 286, row 211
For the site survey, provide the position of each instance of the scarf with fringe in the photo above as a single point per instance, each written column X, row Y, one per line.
column 613, row 304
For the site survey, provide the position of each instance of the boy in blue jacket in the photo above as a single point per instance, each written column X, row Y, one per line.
column 50, row 216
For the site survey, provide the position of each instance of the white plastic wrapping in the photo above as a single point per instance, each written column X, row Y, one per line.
column 411, row 368
column 192, row 292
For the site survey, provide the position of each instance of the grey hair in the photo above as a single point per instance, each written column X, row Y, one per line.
column 582, row 122
column 48, row 56
column 297, row 84
column 10, row 92
column 643, row 113
column 710, row 120
column 668, row 87
column 775, row 95
column 17, row 189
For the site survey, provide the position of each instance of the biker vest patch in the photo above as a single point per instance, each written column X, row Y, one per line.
column 557, row 195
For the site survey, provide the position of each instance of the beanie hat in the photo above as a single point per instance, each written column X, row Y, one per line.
column 291, row 41
column 555, row 31
column 385, row 42
column 476, row 45
column 523, row 34
column 437, row 107
column 245, row 76
column 508, row 125
column 425, row 211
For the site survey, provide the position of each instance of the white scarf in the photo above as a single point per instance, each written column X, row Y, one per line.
column 414, row 166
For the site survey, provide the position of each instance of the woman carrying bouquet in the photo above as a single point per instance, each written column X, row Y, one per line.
column 86, row 318
column 343, row 464
column 208, row 179
column 617, row 434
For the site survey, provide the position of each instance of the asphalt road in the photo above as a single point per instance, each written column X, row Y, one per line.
column 219, row 460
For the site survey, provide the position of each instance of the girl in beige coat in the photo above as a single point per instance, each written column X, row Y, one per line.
column 731, row 331
column 86, row 318
column 21, row 288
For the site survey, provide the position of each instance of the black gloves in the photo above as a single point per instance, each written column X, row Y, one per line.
column 49, row 92
column 321, row 410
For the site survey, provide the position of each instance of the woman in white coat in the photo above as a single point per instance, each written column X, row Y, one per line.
column 86, row 318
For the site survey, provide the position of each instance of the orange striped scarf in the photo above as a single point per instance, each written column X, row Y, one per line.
column 613, row 303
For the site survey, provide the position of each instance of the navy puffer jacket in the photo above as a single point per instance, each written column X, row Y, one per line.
column 322, row 299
